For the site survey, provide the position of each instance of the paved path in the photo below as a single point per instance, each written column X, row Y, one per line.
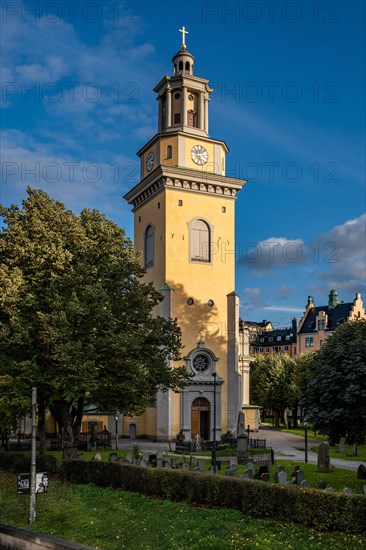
column 292, row 447
column 286, row 446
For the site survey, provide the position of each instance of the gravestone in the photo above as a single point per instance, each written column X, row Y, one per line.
column 323, row 484
column 282, row 478
column 128, row 458
column 159, row 454
column 233, row 461
column 202, row 465
column 146, row 457
column 249, row 473
column 250, row 466
column 361, row 472
column 265, row 476
column 242, row 440
column 185, row 466
column 323, row 458
column 175, row 463
column 113, row 457
column 305, row 484
column 167, row 464
column 143, row 463
column 244, row 476
column 347, row 491
column 97, row 457
column 354, row 449
column 159, row 462
column 342, row 445
column 300, row 476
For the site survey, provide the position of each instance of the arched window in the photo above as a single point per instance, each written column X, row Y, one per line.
column 149, row 246
column 187, row 66
column 169, row 152
column 180, row 66
column 200, row 241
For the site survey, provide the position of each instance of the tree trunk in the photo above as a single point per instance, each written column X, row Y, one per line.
column 42, row 427
column 276, row 419
column 68, row 418
column 294, row 415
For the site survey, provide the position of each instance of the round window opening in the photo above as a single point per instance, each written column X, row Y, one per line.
column 176, row 96
column 201, row 363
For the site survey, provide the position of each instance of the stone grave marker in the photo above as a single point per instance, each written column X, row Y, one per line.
column 245, row 476
column 354, row 449
column 175, row 463
column 300, row 476
column 143, row 463
column 146, row 457
column 347, row 491
column 159, row 462
column 233, row 461
column 250, row 466
column 323, row 458
column 361, row 472
column 202, row 465
column 159, row 454
column 167, row 464
column 128, row 457
column 249, row 473
column 113, row 457
column 342, row 445
column 305, row 484
column 282, row 478
column 97, row 457
column 323, row 484
column 185, row 466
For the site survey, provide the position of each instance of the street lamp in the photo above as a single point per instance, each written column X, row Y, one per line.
column 214, row 463
column 306, row 440
column 116, row 418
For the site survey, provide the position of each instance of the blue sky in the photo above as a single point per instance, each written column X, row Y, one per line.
column 289, row 100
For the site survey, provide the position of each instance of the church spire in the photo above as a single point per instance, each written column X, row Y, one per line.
column 183, row 61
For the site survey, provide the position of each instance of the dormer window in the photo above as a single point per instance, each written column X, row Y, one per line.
column 321, row 324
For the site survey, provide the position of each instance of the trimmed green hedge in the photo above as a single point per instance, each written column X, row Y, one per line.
column 311, row 507
column 19, row 463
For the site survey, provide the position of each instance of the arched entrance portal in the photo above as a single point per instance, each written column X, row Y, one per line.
column 200, row 418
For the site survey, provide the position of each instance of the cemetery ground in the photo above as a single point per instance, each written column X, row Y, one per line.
column 110, row 519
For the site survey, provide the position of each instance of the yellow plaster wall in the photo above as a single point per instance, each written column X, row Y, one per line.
column 200, row 281
column 145, row 423
column 150, row 213
column 164, row 142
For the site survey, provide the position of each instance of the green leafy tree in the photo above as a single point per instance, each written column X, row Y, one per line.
column 334, row 393
column 75, row 319
column 272, row 383
column 301, row 373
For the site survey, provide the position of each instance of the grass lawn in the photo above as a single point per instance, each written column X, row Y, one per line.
column 347, row 455
column 112, row 519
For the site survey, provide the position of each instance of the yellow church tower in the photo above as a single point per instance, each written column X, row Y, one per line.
column 184, row 226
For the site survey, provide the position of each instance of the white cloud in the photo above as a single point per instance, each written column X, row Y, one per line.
column 272, row 253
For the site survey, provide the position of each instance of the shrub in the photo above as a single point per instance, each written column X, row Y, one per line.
column 311, row 507
column 20, row 463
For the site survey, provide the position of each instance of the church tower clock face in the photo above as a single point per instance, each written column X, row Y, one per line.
column 150, row 161
column 199, row 155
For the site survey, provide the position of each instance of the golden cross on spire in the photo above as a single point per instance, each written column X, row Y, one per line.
column 184, row 32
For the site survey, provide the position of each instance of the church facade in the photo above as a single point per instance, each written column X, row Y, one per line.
column 184, row 216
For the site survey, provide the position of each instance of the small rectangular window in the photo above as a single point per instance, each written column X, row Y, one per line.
column 139, row 218
column 180, row 203
column 309, row 342
column 279, row 338
column 177, row 118
column 158, row 205
column 270, row 338
column 287, row 337
column 223, row 210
